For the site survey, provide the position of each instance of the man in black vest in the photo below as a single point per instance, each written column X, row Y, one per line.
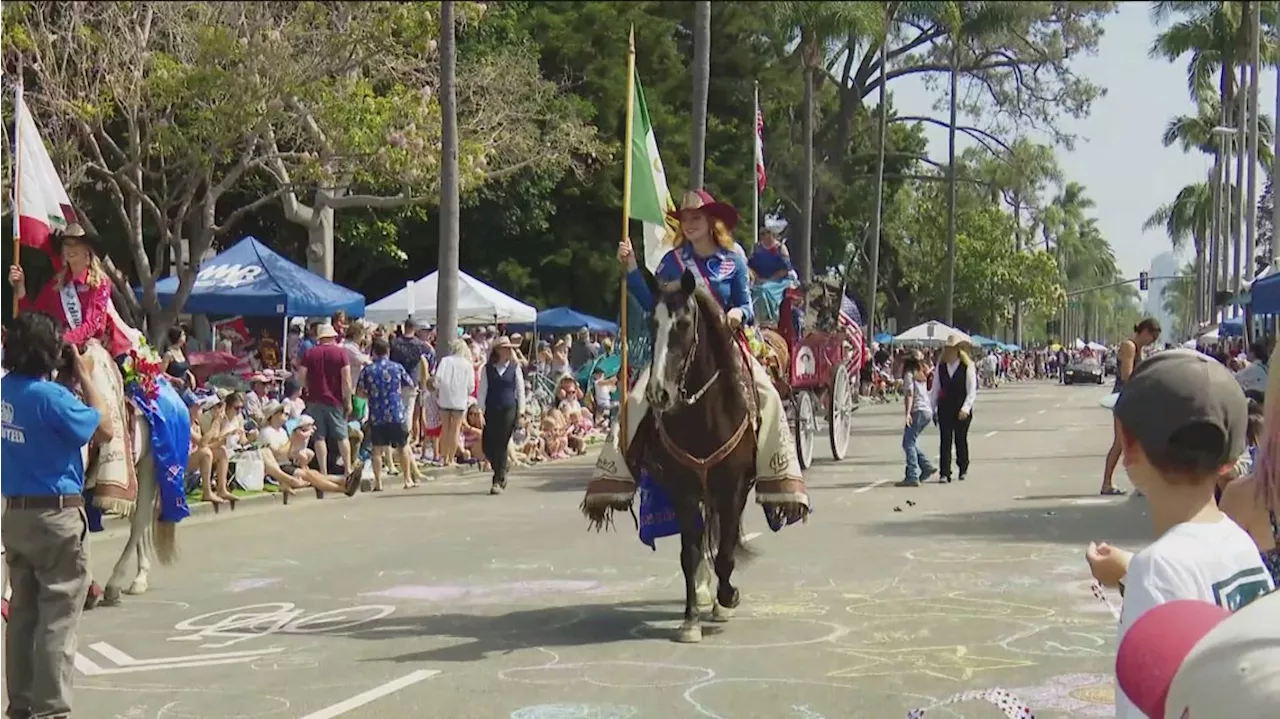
column 501, row 395
column 954, row 388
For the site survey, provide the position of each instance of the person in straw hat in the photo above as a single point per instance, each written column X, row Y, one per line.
column 704, row 245
column 954, row 389
column 501, row 396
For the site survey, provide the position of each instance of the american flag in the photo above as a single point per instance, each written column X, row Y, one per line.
column 851, row 321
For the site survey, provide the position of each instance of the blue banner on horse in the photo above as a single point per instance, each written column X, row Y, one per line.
column 657, row 514
column 170, row 423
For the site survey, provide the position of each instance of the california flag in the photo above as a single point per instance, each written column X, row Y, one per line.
column 42, row 202
column 650, row 198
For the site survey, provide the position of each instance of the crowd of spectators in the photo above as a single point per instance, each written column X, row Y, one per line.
column 354, row 393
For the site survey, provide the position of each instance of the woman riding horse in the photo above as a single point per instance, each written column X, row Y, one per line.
column 704, row 247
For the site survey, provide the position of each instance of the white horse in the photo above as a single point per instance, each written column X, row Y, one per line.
column 148, row 536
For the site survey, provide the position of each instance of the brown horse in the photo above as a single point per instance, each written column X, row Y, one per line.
column 699, row 439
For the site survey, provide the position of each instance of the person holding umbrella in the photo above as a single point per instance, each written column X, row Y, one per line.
column 954, row 389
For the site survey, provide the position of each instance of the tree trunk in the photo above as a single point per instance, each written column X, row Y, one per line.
column 873, row 279
column 951, row 192
column 1017, row 247
column 320, row 242
column 447, row 291
column 803, row 255
column 701, row 82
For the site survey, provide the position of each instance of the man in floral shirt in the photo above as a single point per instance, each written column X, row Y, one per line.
column 381, row 381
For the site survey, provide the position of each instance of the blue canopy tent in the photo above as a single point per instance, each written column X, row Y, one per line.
column 251, row 280
column 564, row 319
column 1232, row 327
column 884, row 338
column 981, row 341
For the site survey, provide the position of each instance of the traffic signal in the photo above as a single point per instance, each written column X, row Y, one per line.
column 1142, row 280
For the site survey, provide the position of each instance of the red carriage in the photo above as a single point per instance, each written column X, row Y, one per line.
column 818, row 352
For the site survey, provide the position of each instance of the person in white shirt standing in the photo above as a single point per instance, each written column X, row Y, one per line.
column 1181, row 423
column 954, row 389
column 455, row 381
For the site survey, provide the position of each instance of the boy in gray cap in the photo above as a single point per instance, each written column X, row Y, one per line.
column 1181, row 420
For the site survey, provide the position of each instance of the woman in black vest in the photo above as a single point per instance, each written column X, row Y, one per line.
column 501, row 396
column 954, row 388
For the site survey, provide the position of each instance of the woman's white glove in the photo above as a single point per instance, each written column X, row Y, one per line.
column 735, row 317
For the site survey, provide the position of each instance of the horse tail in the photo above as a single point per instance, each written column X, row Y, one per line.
column 165, row 541
column 711, row 519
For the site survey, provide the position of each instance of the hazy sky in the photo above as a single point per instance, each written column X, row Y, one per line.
column 1119, row 158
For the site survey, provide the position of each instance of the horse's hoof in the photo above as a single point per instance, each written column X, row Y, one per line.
column 689, row 634
column 139, row 586
column 721, row 614
column 110, row 596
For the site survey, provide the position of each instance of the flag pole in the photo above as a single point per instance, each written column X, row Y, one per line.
column 755, row 171
column 628, row 138
column 17, row 176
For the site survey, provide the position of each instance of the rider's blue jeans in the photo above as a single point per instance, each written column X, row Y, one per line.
column 917, row 463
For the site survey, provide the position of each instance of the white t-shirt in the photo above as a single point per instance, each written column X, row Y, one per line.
column 455, row 380
column 274, row 438
column 1216, row 563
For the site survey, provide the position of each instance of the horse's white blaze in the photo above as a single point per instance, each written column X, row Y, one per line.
column 661, row 341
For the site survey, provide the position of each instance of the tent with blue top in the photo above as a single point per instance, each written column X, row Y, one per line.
column 565, row 319
column 981, row 341
column 252, row 280
column 883, row 338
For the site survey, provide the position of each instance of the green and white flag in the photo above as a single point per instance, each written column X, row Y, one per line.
column 650, row 198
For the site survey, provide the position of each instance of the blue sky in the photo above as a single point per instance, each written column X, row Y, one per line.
column 1118, row 158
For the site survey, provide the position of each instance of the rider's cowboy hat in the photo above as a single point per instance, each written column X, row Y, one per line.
column 958, row 341
column 73, row 231
column 501, row 343
column 702, row 201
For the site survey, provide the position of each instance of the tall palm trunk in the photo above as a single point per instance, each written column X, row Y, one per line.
column 447, row 290
column 803, row 256
column 873, row 275
column 951, row 190
column 701, row 82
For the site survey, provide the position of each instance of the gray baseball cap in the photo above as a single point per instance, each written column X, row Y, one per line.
column 1186, row 410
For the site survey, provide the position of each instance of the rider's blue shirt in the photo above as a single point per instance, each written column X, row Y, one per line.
column 767, row 262
column 45, row 426
column 724, row 273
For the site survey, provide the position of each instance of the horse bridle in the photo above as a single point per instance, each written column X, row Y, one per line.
column 686, row 399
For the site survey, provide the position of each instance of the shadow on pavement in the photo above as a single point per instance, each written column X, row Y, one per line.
column 550, row 627
column 1121, row 523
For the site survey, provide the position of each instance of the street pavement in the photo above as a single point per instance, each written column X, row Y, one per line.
column 445, row 602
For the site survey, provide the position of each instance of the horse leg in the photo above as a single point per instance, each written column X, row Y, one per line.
column 140, row 533
column 111, row 593
column 703, row 581
column 691, row 553
column 731, row 504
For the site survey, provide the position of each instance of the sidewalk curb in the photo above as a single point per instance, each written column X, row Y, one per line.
column 207, row 509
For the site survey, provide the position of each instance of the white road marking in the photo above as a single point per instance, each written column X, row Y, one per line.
column 1021, row 420
column 873, row 485
column 992, row 433
column 378, row 692
column 1042, row 411
column 1058, row 405
column 750, row 536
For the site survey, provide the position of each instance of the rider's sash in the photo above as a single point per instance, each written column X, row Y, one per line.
column 71, row 308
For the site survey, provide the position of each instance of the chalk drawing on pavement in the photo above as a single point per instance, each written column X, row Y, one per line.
column 1063, row 641
column 1075, row 695
column 284, row 662
column 226, row 627
column 807, row 631
column 248, row 583
column 952, row 604
column 954, row 662
column 959, row 553
column 724, row 698
column 610, row 674
column 575, row 711
column 230, row 704
column 485, row 592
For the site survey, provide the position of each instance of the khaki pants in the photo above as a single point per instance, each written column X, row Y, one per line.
column 49, row 576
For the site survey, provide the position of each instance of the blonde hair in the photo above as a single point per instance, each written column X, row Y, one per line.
column 461, row 348
column 719, row 231
column 94, row 278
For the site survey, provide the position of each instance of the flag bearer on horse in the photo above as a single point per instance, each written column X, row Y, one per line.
column 78, row 297
column 704, row 246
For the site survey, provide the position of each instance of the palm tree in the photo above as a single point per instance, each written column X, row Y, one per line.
column 817, row 23
column 1188, row 217
column 701, row 83
column 447, row 292
column 1194, row 132
column 1178, row 298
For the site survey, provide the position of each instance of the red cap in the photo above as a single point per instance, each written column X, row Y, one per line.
column 1154, row 648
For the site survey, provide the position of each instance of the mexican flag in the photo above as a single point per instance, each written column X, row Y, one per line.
column 41, row 201
column 650, row 198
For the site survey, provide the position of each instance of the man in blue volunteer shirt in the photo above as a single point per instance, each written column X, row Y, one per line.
column 44, row 532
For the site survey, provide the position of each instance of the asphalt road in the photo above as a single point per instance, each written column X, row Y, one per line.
column 445, row 602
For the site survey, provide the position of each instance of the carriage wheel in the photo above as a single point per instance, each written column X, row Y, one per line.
column 840, row 412
column 806, row 427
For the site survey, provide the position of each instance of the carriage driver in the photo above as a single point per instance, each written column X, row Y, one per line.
column 703, row 245
column 45, row 527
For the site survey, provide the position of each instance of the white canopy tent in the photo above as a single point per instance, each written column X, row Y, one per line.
column 930, row 333
column 478, row 303
column 1096, row 346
